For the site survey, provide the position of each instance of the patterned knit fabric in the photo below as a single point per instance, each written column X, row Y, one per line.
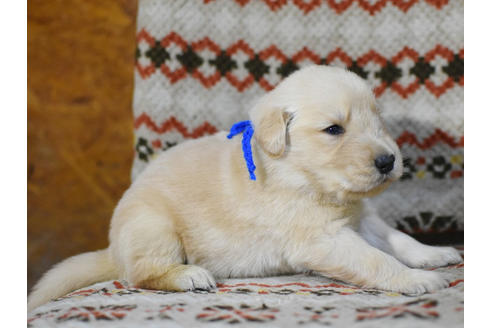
column 201, row 64
column 287, row 301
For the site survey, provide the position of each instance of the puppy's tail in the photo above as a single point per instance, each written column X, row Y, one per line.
column 71, row 274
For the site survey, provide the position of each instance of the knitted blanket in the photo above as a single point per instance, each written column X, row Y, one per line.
column 200, row 65
column 286, row 301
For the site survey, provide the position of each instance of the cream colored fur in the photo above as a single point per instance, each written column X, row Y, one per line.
column 194, row 215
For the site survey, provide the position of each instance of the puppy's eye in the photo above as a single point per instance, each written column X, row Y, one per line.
column 334, row 130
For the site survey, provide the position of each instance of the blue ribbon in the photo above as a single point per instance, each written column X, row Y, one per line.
column 246, row 128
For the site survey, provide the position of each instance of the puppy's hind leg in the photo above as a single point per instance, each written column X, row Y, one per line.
column 153, row 256
column 406, row 249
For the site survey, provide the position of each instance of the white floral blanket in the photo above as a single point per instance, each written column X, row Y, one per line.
column 285, row 301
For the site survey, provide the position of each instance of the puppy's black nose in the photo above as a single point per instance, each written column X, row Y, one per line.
column 384, row 163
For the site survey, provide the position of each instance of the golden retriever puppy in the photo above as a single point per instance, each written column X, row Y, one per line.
column 195, row 215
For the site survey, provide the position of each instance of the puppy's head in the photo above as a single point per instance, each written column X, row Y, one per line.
column 321, row 128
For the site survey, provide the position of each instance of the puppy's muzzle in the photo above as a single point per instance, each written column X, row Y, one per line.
column 385, row 163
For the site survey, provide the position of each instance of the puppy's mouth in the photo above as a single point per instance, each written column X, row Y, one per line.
column 365, row 181
column 383, row 179
column 373, row 185
column 387, row 178
column 373, row 189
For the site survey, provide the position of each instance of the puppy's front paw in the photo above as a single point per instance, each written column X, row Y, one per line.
column 194, row 277
column 416, row 282
column 429, row 256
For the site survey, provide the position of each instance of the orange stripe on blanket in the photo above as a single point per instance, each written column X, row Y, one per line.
column 173, row 124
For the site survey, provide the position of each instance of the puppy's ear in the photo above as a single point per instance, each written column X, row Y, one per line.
column 270, row 129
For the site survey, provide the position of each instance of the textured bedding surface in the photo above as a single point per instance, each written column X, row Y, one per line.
column 285, row 301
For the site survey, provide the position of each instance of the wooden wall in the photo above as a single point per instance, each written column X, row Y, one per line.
column 80, row 147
